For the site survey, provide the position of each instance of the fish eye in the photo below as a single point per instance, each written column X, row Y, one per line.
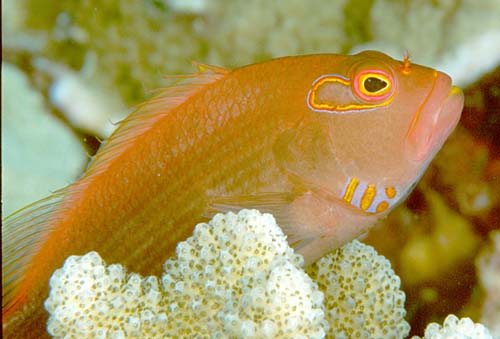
column 373, row 85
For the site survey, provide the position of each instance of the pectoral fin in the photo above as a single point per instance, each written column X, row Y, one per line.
column 301, row 229
column 275, row 203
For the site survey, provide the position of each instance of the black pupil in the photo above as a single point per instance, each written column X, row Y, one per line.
column 373, row 85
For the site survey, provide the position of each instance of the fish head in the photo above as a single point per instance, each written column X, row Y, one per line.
column 387, row 119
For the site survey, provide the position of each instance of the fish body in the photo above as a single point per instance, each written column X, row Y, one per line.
column 327, row 143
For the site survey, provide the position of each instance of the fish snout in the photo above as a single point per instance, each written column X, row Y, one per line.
column 435, row 119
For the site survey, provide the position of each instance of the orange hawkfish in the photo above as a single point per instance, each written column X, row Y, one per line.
column 326, row 143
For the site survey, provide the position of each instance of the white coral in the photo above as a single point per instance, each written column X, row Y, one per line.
column 235, row 277
column 362, row 294
column 455, row 328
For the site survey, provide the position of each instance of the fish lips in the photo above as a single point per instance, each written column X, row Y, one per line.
column 435, row 119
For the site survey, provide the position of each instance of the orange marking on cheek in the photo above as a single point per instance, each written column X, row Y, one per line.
column 382, row 206
column 390, row 192
column 368, row 196
column 351, row 188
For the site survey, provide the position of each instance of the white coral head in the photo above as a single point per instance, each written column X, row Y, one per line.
column 455, row 328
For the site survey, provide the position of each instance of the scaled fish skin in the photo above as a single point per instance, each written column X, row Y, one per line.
column 327, row 143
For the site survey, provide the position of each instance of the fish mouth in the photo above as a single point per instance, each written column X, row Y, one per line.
column 435, row 119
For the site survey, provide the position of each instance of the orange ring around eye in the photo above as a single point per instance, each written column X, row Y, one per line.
column 363, row 93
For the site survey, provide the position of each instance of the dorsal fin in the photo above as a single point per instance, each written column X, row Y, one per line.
column 22, row 234
column 151, row 111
